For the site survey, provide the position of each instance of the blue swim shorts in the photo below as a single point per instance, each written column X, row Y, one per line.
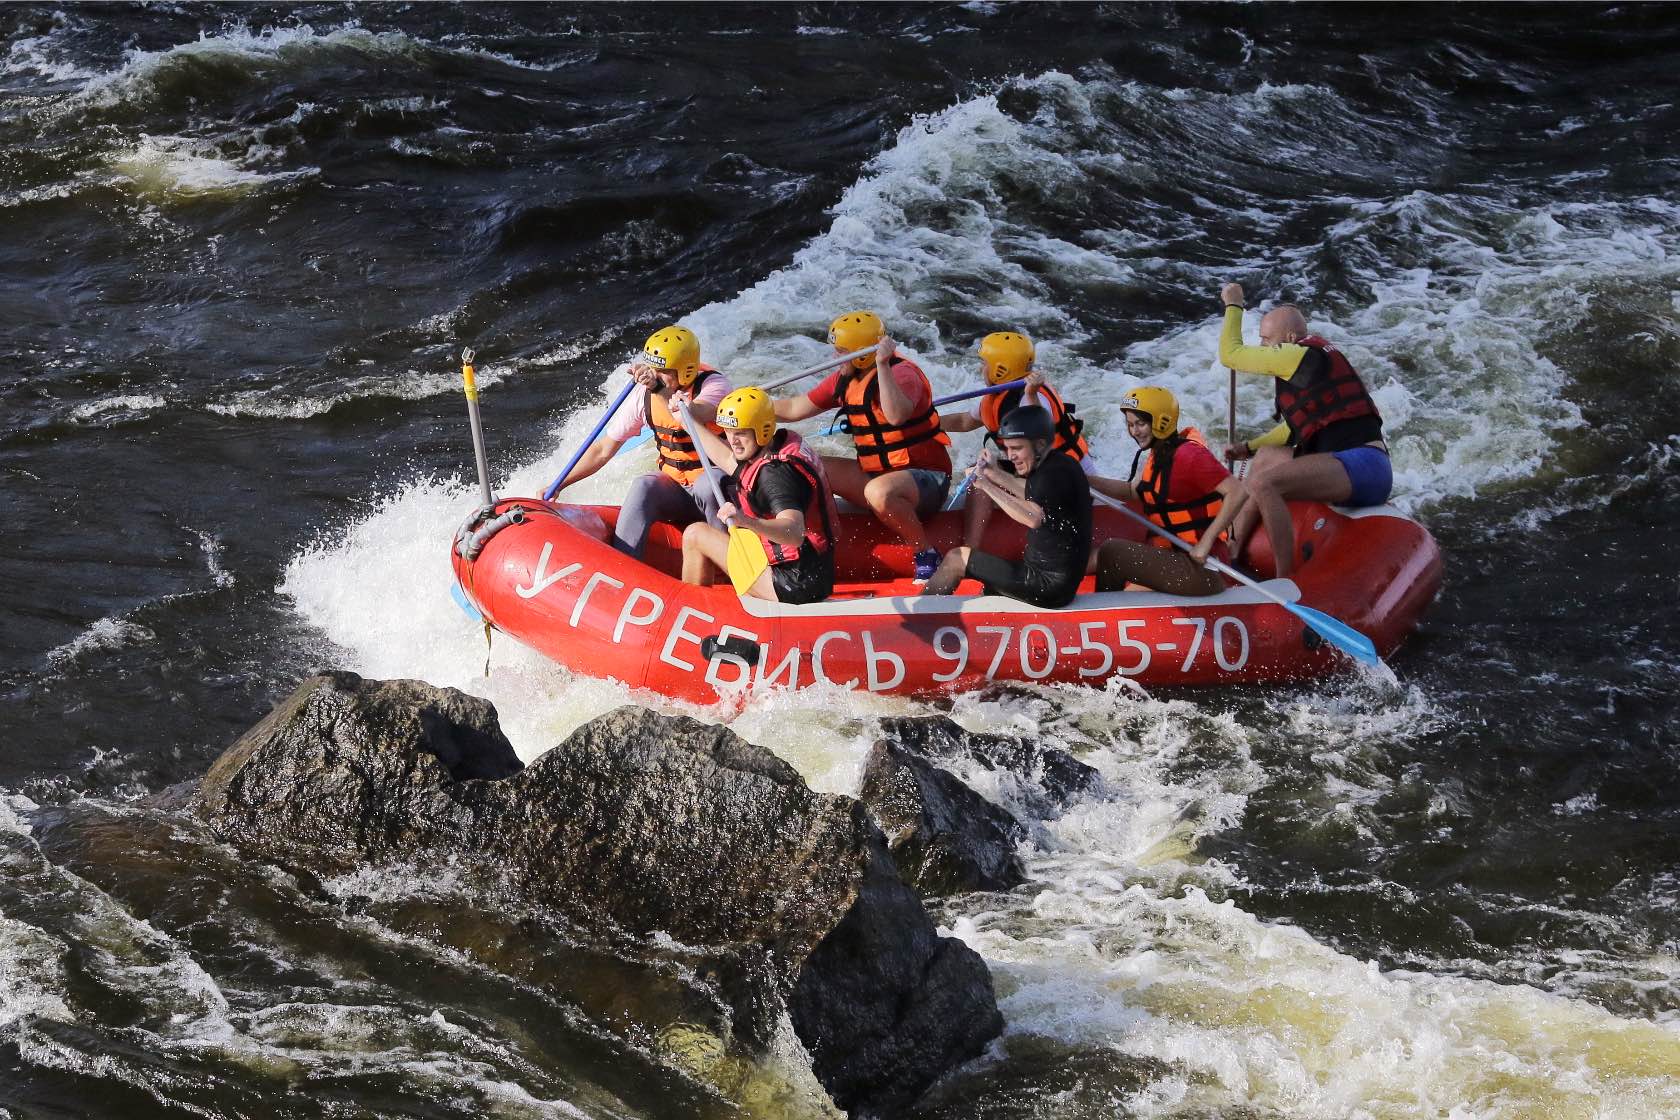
column 1370, row 472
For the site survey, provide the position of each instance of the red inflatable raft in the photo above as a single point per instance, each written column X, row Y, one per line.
column 554, row 582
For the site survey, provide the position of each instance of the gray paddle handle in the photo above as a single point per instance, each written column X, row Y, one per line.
column 706, row 467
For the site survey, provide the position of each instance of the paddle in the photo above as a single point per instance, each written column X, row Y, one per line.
column 554, row 487
column 818, row 368
column 746, row 560
column 1231, row 423
column 952, row 399
column 1334, row 631
column 646, row 434
column 961, row 491
column 469, row 379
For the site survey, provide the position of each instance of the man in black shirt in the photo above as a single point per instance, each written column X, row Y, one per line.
column 1049, row 494
column 779, row 492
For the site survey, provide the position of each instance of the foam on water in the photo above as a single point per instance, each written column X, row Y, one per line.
column 112, row 410
column 106, row 634
column 1119, row 942
column 176, row 168
column 251, row 56
column 278, row 403
column 175, row 1010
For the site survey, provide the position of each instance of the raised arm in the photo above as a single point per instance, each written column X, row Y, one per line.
column 600, row 453
column 896, row 404
column 1280, row 359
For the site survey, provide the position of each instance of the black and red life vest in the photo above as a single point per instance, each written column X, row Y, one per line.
column 821, row 516
column 1069, row 428
column 677, row 455
column 883, row 446
column 1334, row 396
column 1186, row 520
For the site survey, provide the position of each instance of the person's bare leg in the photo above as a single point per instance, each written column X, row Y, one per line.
column 892, row 499
column 703, row 549
column 974, row 521
column 1319, row 478
column 706, row 550
column 1159, row 569
column 1248, row 517
column 846, row 479
column 949, row 573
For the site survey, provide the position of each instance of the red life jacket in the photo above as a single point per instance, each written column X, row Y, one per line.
column 1068, row 427
column 677, row 455
column 1186, row 520
column 821, row 516
column 883, row 446
column 1335, row 396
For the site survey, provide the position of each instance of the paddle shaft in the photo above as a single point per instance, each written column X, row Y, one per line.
column 819, row 367
column 706, row 467
column 1332, row 630
column 560, row 479
column 952, row 399
column 1231, row 411
column 1181, row 543
column 469, row 380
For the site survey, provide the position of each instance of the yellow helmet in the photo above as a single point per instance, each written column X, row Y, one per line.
column 1006, row 356
column 853, row 331
column 749, row 408
column 674, row 349
column 1158, row 404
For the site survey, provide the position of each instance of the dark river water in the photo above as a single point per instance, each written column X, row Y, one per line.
column 239, row 247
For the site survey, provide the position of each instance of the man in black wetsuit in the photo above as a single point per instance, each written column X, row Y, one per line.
column 1049, row 494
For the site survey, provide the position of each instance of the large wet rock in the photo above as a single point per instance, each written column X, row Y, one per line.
column 946, row 838
column 639, row 830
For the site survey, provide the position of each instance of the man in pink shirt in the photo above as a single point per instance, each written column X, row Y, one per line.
column 669, row 368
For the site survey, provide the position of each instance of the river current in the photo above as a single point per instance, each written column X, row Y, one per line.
column 241, row 246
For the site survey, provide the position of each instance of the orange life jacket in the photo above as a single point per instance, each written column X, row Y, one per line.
column 1068, row 427
column 1186, row 520
column 677, row 455
column 821, row 516
column 883, row 446
column 1338, row 395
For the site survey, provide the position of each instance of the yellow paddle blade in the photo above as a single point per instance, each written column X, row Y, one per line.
column 747, row 560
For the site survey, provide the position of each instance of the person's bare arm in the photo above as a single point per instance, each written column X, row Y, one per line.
column 1113, row 487
column 718, row 451
column 801, row 407
column 896, row 406
column 1009, row 493
column 786, row 528
column 600, row 453
column 1232, row 495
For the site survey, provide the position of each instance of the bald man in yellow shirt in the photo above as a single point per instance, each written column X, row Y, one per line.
column 1329, row 446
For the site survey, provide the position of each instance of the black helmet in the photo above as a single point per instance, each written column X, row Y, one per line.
column 1028, row 421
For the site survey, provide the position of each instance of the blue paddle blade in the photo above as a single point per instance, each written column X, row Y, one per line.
column 637, row 440
column 1338, row 634
column 464, row 603
column 959, row 493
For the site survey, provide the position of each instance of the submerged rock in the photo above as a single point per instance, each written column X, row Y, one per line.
column 946, row 838
column 1055, row 777
column 640, row 830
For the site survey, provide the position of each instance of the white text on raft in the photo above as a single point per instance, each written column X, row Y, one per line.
column 1034, row 645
